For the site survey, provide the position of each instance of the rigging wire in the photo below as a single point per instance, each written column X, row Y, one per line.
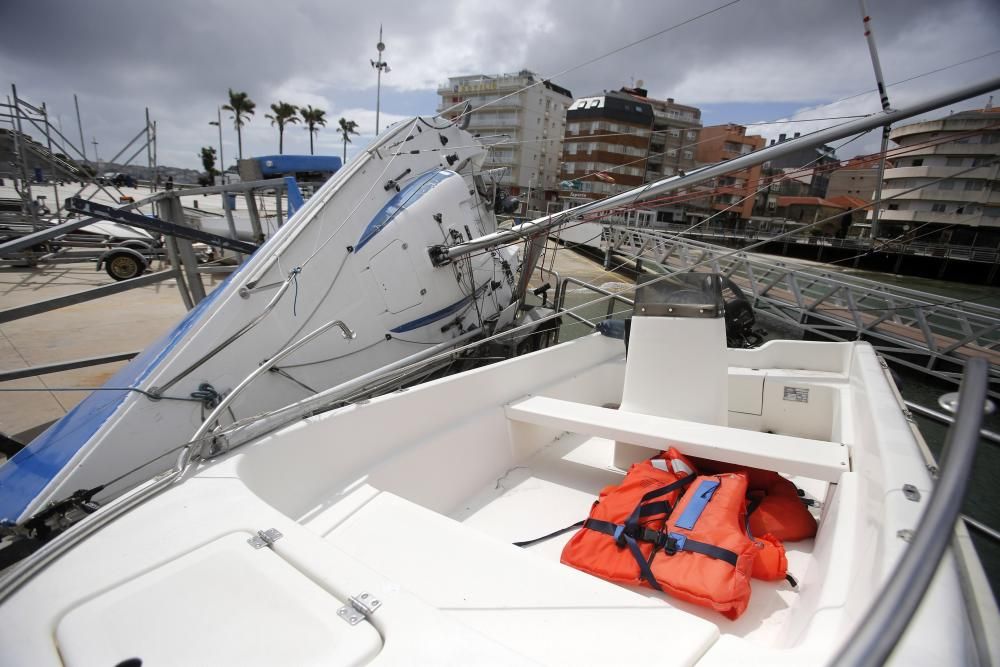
column 236, row 425
column 895, row 153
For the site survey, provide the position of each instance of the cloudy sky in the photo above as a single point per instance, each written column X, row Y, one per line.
column 750, row 62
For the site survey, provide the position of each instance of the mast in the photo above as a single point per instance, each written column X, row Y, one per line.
column 441, row 254
column 884, row 98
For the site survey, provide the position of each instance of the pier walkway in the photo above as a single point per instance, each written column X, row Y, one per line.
column 915, row 329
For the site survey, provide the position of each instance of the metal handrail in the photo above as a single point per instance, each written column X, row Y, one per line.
column 158, row 391
column 207, row 425
column 986, row 434
column 881, row 628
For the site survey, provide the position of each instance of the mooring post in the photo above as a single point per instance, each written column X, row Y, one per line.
column 185, row 251
column 229, row 220
column 258, row 234
column 173, row 255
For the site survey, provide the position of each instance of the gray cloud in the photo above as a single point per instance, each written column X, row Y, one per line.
column 178, row 58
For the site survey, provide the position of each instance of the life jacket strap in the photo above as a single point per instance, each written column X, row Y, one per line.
column 643, row 509
column 556, row 533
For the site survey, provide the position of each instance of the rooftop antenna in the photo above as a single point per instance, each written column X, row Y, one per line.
column 380, row 65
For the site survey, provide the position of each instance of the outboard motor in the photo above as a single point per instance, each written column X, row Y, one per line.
column 677, row 364
column 505, row 203
column 740, row 318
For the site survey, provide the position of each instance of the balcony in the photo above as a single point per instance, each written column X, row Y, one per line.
column 960, row 149
column 919, row 217
column 925, row 171
column 937, row 195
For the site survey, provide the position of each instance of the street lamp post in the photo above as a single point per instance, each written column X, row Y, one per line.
column 380, row 66
column 222, row 157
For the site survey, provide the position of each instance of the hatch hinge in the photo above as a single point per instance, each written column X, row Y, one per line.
column 358, row 608
column 264, row 538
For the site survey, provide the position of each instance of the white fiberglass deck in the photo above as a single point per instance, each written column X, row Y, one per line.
column 416, row 497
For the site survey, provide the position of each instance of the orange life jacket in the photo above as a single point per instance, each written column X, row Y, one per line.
column 707, row 557
column 695, row 549
column 770, row 563
column 777, row 508
column 641, row 502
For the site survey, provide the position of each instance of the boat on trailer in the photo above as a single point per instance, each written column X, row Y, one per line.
column 383, row 531
column 349, row 268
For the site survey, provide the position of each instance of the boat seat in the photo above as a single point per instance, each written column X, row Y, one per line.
column 536, row 607
column 816, row 459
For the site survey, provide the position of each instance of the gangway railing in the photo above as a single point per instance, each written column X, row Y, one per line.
column 978, row 254
column 914, row 329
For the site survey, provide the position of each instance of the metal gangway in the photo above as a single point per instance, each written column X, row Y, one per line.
column 922, row 331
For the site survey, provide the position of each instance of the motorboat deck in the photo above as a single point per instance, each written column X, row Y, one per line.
column 421, row 516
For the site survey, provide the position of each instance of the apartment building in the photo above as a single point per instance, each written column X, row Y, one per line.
column 810, row 165
column 674, row 135
column 733, row 194
column 963, row 149
column 605, row 145
column 522, row 118
column 622, row 139
column 855, row 178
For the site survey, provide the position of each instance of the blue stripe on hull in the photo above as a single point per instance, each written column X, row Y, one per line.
column 409, row 195
column 433, row 317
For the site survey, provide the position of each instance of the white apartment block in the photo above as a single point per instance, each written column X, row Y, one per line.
column 963, row 208
column 523, row 119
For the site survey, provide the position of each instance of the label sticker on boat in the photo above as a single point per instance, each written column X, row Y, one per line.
column 797, row 394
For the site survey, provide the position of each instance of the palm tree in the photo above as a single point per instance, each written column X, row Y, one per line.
column 313, row 119
column 208, row 162
column 347, row 128
column 284, row 113
column 242, row 107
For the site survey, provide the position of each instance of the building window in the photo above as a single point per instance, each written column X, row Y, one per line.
column 671, row 152
column 954, row 162
column 674, row 132
column 947, row 184
column 692, row 134
column 893, row 207
column 938, row 208
column 919, row 162
column 974, row 185
column 688, row 155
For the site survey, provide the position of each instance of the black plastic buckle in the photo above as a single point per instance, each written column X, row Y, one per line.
column 625, row 530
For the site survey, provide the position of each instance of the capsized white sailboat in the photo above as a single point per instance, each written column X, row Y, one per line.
column 383, row 531
column 354, row 254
